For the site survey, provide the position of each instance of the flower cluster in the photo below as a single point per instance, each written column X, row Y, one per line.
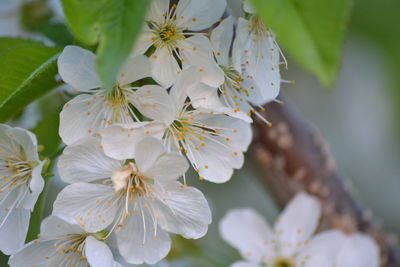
column 290, row 243
column 184, row 98
column 184, row 95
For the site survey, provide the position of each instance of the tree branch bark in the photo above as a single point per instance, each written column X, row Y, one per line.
column 293, row 157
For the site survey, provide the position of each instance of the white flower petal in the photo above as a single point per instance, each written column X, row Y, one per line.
column 53, row 227
column 245, row 264
column 36, row 186
column 268, row 80
column 182, row 210
column 260, row 58
column 77, row 68
column 239, row 44
column 85, row 161
column 297, row 223
column 247, row 7
column 82, row 117
column 178, row 92
column 169, row 166
column 248, row 232
column 214, row 159
column 221, row 38
column 323, row 247
column 148, row 150
column 155, row 103
column 215, row 156
column 34, row 254
column 25, row 139
column 136, row 68
column 317, row 261
column 120, row 142
column 238, row 131
column 92, row 206
column 157, row 10
column 144, row 41
column 198, row 15
column 140, row 245
column 359, row 250
column 165, row 69
column 98, row 254
column 197, row 51
column 204, row 96
column 13, row 230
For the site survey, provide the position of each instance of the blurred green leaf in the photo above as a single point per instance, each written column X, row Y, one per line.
column 27, row 71
column 311, row 31
column 46, row 130
column 56, row 32
column 114, row 24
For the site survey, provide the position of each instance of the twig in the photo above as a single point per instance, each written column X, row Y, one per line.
column 294, row 157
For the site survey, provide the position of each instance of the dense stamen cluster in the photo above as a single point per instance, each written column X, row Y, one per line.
column 117, row 99
column 235, row 93
column 71, row 244
column 16, row 169
column 134, row 190
column 191, row 134
column 167, row 33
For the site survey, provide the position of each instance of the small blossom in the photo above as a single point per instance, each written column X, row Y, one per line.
column 21, row 183
column 213, row 142
column 174, row 32
column 258, row 56
column 64, row 244
column 88, row 113
column 290, row 242
column 240, row 94
column 140, row 200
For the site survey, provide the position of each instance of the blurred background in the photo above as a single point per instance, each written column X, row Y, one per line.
column 358, row 116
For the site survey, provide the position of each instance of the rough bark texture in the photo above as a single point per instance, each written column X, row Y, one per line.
column 293, row 157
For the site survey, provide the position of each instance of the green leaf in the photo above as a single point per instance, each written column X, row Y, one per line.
column 27, row 71
column 46, row 130
column 57, row 33
column 113, row 24
column 311, row 31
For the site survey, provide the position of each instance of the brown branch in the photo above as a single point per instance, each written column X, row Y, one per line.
column 293, row 157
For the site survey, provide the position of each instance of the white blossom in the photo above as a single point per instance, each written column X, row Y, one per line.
column 97, row 107
column 213, row 142
column 174, row 33
column 138, row 199
column 290, row 242
column 21, row 183
column 64, row 244
column 259, row 57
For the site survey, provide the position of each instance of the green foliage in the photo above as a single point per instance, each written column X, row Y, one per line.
column 113, row 24
column 46, row 130
column 27, row 71
column 57, row 33
column 311, row 31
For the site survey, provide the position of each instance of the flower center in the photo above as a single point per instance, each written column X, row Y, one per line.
column 70, row 244
column 18, row 171
column 130, row 181
column 284, row 262
column 167, row 35
column 117, row 105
